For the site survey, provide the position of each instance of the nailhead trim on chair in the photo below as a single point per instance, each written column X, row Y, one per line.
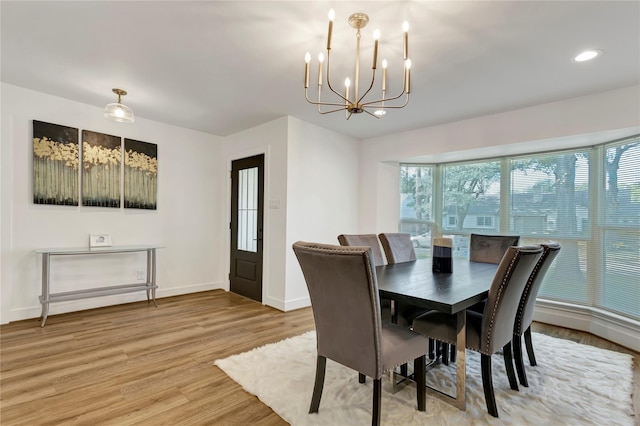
column 505, row 280
column 546, row 250
column 525, row 293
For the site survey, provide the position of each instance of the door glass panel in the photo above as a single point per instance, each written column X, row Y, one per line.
column 248, row 209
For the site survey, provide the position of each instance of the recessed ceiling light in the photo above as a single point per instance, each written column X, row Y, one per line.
column 587, row 55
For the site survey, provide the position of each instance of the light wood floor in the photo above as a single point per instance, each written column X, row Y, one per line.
column 135, row 364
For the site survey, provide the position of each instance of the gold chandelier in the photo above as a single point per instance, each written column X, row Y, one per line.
column 352, row 102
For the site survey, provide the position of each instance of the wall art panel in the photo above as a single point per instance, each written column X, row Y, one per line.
column 55, row 164
column 140, row 174
column 101, row 160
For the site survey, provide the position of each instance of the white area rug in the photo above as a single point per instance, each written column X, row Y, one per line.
column 573, row 384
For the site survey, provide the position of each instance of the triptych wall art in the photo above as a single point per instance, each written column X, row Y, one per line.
column 56, row 161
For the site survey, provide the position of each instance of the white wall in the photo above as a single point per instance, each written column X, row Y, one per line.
column 322, row 194
column 189, row 220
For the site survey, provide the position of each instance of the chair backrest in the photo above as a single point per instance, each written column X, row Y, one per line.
column 524, row 317
column 490, row 248
column 504, row 296
column 343, row 289
column 370, row 240
column 398, row 247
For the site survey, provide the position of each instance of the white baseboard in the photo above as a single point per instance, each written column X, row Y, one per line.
column 30, row 312
column 287, row 305
column 615, row 328
column 274, row 303
column 294, row 304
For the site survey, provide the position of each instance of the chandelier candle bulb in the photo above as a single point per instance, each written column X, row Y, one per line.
column 376, row 36
column 347, row 83
column 320, row 61
column 384, row 77
column 332, row 16
column 407, row 78
column 307, row 59
column 405, row 28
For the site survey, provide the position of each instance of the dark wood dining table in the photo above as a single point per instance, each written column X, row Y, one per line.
column 415, row 284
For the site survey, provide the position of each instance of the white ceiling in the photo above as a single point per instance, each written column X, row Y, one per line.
column 223, row 66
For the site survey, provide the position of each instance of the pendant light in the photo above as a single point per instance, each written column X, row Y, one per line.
column 118, row 111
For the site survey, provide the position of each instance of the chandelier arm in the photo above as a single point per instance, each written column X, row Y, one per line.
column 306, row 95
column 333, row 110
column 329, row 80
column 386, row 99
column 389, row 106
column 373, row 79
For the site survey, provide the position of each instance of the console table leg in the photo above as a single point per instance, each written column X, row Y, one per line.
column 151, row 270
column 45, row 288
column 45, row 313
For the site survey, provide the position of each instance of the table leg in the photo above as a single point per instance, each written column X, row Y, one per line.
column 45, row 288
column 459, row 400
column 461, row 367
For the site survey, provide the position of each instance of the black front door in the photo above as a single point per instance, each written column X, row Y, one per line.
column 247, row 201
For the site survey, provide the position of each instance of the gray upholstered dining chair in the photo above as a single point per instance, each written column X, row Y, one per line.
column 370, row 240
column 524, row 316
column 490, row 248
column 493, row 329
column 398, row 247
column 486, row 249
column 343, row 289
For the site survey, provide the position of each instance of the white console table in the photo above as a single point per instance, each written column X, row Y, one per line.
column 47, row 297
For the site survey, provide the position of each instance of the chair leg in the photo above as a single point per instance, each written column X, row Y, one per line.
column 517, row 355
column 432, row 349
column 487, row 384
column 508, row 364
column 529, row 344
column 420, row 371
column 321, row 364
column 445, row 353
column 404, row 370
column 362, row 378
column 377, row 401
column 452, row 356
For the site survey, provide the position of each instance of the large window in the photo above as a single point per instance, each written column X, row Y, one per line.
column 586, row 199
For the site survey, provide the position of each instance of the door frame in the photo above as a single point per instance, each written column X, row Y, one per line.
column 231, row 157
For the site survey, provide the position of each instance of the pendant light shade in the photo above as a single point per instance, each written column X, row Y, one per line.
column 118, row 111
